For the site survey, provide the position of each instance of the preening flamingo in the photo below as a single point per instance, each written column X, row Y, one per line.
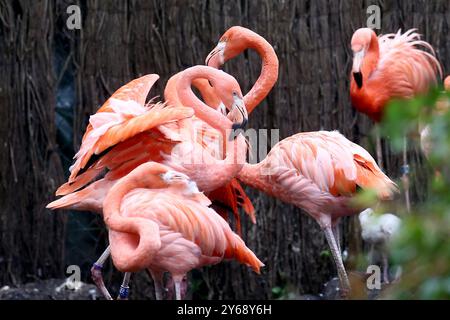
column 319, row 172
column 316, row 171
column 378, row 230
column 158, row 220
column 386, row 67
column 125, row 133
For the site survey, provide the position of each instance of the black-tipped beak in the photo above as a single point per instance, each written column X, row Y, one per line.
column 358, row 79
column 238, row 114
column 237, row 128
column 210, row 55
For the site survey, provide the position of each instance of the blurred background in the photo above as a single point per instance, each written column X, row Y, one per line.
column 53, row 78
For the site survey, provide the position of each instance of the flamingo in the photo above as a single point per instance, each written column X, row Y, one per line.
column 315, row 171
column 386, row 67
column 232, row 195
column 158, row 220
column 125, row 133
column 319, row 172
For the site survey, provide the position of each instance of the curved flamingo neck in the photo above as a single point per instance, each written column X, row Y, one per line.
column 132, row 255
column 207, row 92
column 141, row 177
column 269, row 69
column 252, row 175
column 187, row 97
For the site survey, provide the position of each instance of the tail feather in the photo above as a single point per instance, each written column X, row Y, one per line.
column 88, row 199
column 237, row 250
column 233, row 196
column 370, row 176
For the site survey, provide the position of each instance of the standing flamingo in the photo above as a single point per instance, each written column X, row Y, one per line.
column 315, row 171
column 319, row 172
column 125, row 133
column 158, row 220
column 386, row 67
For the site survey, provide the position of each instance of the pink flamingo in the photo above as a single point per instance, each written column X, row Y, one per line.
column 387, row 67
column 315, row 171
column 158, row 220
column 125, row 133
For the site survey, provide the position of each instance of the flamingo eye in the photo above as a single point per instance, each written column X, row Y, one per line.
column 235, row 93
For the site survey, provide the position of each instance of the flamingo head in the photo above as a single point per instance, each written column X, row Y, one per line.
column 229, row 92
column 360, row 44
column 232, row 43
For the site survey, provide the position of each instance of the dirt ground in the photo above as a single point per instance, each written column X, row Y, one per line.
column 59, row 289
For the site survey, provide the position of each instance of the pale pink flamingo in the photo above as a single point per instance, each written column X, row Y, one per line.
column 158, row 220
column 316, row 171
column 125, row 133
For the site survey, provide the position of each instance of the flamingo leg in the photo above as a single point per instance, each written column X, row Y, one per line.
column 177, row 281
column 96, row 273
column 385, row 267
column 342, row 274
column 178, row 289
column 371, row 253
column 158, row 283
column 379, row 149
column 124, row 288
column 405, row 175
column 337, row 235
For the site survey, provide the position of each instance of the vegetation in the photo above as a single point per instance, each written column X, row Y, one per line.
column 422, row 247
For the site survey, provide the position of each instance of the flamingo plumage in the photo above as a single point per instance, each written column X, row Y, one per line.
column 126, row 133
column 386, row 67
column 389, row 66
column 137, row 133
column 318, row 172
column 159, row 220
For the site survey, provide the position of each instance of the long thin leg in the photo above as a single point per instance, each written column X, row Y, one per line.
column 343, row 278
column 405, row 175
column 96, row 273
column 158, row 283
column 124, row 288
column 371, row 253
column 379, row 149
column 177, row 280
column 337, row 236
column 385, row 267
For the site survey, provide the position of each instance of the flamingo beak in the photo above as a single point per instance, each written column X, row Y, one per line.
column 358, row 58
column 215, row 58
column 239, row 116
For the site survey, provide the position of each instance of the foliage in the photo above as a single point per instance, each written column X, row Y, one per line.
column 422, row 246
